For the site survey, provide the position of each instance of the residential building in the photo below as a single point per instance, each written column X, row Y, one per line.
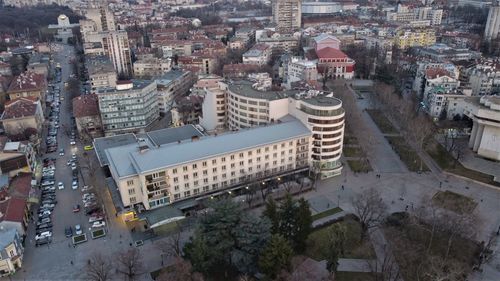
column 214, row 108
column 15, row 203
column 443, row 53
column 438, row 80
column 287, row 15
column 102, row 17
column 16, row 157
column 484, row 78
column 152, row 67
column 427, row 15
column 39, row 64
column 445, row 104
column 493, row 22
column 116, row 46
column 130, row 107
column 485, row 114
column 259, row 54
column 407, row 38
column 172, row 86
column 187, row 110
column 101, row 73
column 420, row 76
column 87, row 116
column 22, row 116
column 301, row 70
column 11, row 251
column 26, row 3
column 239, row 70
column 280, row 43
column 28, row 85
column 5, row 69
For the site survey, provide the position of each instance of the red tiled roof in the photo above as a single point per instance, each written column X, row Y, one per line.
column 330, row 53
column 15, row 210
column 21, row 186
column 432, row 73
column 85, row 105
column 18, row 108
column 27, row 81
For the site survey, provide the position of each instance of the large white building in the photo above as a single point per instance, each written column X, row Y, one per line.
column 493, row 22
column 296, row 132
column 301, row 70
column 25, row 3
column 485, row 135
column 420, row 16
column 130, row 107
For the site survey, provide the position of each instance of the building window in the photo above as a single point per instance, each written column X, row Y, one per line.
column 195, row 183
column 204, row 164
column 215, row 185
column 214, row 178
column 131, row 191
column 176, row 188
column 205, row 180
column 214, row 161
column 176, row 180
column 206, row 188
column 133, row 200
column 196, row 191
column 186, row 185
column 130, row 182
column 195, row 175
column 195, row 166
column 186, row 177
column 242, row 163
column 177, row 196
column 187, row 193
column 205, row 172
column 232, row 157
column 185, row 168
column 223, row 159
column 214, row 170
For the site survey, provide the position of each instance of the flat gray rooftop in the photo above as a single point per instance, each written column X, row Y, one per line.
column 323, row 101
column 169, row 135
column 127, row 160
column 244, row 88
column 101, row 144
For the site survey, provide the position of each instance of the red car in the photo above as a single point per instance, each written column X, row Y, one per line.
column 76, row 208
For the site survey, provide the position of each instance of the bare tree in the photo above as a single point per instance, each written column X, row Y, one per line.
column 442, row 270
column 458, row 225
column 172, row 245
column 129, row 264
column 99, row 268
column 182, row 270
column 370, row 209
column 385, row 268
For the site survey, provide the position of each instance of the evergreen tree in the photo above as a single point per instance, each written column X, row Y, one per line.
column 252, row 235
column 197, row 251
column 271, row 212
column 335, row 246
column 303, row 224
column 276, row 256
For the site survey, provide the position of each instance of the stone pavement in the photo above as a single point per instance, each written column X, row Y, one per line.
column 356, row 265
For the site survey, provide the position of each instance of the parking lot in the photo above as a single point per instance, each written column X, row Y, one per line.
column 57, row 254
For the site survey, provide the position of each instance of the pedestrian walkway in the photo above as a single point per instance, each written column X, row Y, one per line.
column 328, row 219
column 357, row 265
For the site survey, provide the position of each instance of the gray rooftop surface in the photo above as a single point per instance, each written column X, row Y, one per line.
column 101, row 144
column 127, row 161
column 170, row 76
column 99, row 64
column 323, row 101
column 244, row 88
column 169, row 135
column 137, row 85
column 6, row 237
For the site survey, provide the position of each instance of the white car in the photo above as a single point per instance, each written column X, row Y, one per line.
column 46, row 212
column 43, row 235
column 95, row 218
column 60, row 185
column 72, row 142
column 98, row 224
column 78, row 229
column 73, row 166
column 74, row 185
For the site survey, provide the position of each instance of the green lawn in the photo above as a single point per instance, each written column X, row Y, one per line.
column 79, row 239
column 352, row 151
column 355, row 247
column 444, row 159
column 382, row 122
column 359, row 166
column 98, row 233
column 326, row 213
column 455, row 202
column 407, row 154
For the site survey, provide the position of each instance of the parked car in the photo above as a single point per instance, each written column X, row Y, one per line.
column 96, row 218
column 47, row 183
column 43, row 235
column 60, row 185
column 74, row 185
column 61, row 152
column 68, row 231
column 88, row 147
column 43, row 241
column 78, row 229
column 98, row 224
column 44, row 225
